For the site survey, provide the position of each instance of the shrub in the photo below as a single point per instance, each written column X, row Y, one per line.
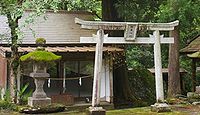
column 6, row 105
column 23, row 95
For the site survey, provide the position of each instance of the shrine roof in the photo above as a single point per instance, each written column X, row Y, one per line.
column 60, row 49
column 194, row 46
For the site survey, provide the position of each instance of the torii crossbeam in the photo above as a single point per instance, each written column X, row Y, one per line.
column 130, row 30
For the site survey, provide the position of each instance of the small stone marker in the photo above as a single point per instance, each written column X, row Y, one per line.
column 196, row 103
column 194, row 98
column 160, row 107
column 193, row 95
column 97, row 111
column 197, row 89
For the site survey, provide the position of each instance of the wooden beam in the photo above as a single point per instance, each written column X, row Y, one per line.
column 121, row 40
column 122, row 25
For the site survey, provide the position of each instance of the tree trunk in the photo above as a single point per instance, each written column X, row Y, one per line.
column 14, row 60
column 174, row 86
column 123, row 95
column 109, row 13
column 12, row 83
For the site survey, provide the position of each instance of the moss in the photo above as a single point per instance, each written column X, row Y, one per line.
column 44, row 109
column 176, row 101
column 142, row 85
column 194, row 55
column 141, row 111
column 137, row 90
column 40, row 56
column 195, row 42
column 40, row 41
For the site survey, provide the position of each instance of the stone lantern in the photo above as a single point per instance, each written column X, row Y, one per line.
column 40, row 59
column 39, row 97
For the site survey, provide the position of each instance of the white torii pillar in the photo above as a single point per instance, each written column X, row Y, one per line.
column 158, row 67
column 97, row 68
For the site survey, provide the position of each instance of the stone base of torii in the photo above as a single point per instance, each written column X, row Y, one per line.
column 129, row 38
column 97, row 111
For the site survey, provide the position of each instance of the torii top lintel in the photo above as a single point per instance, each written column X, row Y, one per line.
column 122, row 25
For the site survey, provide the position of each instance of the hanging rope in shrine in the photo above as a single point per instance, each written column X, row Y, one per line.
column 64, row 79
column 73, row 78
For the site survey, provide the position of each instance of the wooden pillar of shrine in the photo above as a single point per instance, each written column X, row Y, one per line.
column 193, row 75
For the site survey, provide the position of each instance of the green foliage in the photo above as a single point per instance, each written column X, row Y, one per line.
column 137, row 10
column 142, row 85
column 82, row 5
column 23, row 94
column 137, row 90
column 187, row 12
column 135, row 56
column 40, row 56
column 185, row 63
column 6, row 96
column 7, row 105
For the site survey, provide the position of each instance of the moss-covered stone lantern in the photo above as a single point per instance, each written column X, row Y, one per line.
column 40, row 59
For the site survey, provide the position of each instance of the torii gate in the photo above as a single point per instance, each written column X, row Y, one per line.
column 129, row 38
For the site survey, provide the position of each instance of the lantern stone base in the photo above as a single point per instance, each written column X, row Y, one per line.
column 160, row 107
column 97, row 111
column 39, row 101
